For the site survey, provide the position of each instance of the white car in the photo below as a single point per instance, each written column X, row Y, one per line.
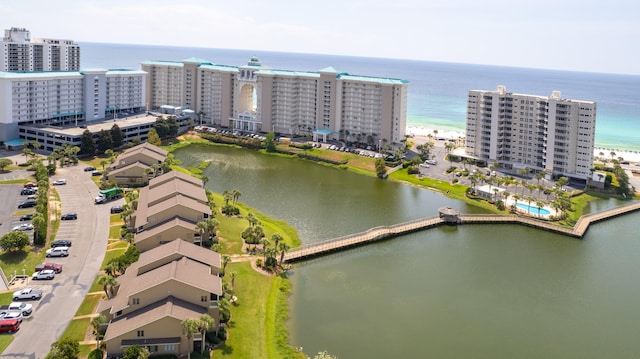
column 23, row 227
column 44, row 274
column 60, row 182
column 57, row 252
column 10, row 314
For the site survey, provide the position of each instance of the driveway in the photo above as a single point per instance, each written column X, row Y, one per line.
column 62, row 296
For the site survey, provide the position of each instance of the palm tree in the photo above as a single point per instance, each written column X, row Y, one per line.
column 539, row 204
column 235, row 194
column 252, row 219
column 233, row 280
column 612, row 154
column 204, row 179
column 190, row 326
column 227, row 197
column 96, row 323
column 225, row 260
column 283, row 248
column 205, row 323
column 107, row 282
column 38, row 222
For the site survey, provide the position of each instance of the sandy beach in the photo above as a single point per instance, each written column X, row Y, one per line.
column 424, row 132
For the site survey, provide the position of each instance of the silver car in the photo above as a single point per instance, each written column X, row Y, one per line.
column 44, row 274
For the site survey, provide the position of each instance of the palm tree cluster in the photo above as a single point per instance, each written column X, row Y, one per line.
column 271, row 249
column 230, row 202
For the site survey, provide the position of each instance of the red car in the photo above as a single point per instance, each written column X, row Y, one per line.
column 9, row 325
column 49, row 265
column 30, row 184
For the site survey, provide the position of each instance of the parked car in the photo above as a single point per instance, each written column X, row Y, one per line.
column 27, row 293
column 69, row 216
column 27, row 204
column 23, row 227
column 96, row 173
column 116, row 209
column 27, row 217
column 9, row 325
column 56, row 267
column 25, row 308
column 60, row 182
column 89, row 169
column 28, row 191
column 58, row 252
column 61, row 243
column 44, row 274
column 7, row 314
column 30, row 185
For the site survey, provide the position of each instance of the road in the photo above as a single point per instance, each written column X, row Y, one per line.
column 62, row 296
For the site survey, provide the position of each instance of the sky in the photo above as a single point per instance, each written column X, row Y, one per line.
column 575, row 35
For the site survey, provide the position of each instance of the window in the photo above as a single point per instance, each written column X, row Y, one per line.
column 204, row 298
column 170, row 348
column 152, row 348
column 135, row 301
column 140, row 333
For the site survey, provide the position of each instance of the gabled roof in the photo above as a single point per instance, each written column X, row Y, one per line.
column 171, row 188
column 184, row 270
column 155, row 230
column 127, row 167
column 173, row 175
column 175, row 201
column 169, row 307
column 173, row 250
column 154, row 155
column 148, row 146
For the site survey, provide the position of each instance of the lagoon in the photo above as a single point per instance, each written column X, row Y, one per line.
column 487, row 291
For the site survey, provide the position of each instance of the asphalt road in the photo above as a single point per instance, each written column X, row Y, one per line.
column 62, row 296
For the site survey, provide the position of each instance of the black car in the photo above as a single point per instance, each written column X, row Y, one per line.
column 69, row 216
column 27, row 217
column 89, row 169
column 117, row 209
column 27, row 204
column 61, row 243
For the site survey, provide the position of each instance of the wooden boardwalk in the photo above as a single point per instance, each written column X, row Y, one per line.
column 385, row 232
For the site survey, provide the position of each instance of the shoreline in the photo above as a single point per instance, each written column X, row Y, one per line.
column 432, row 133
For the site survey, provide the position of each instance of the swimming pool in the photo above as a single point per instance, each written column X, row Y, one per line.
column 533, row 209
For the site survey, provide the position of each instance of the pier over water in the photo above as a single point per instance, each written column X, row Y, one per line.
column 449, row 216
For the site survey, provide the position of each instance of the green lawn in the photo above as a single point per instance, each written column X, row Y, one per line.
column 95, row 287
column 114, row 232
column 76, row 329
column 88, row 304
column 5, row 340
column 112, row 254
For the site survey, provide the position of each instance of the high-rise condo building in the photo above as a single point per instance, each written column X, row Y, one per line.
column 19, row 52
column 542, row 133
column 325, row 104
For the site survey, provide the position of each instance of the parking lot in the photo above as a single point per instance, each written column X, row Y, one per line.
column 62, row 295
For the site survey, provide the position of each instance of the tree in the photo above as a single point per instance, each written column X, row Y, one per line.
column 14, row 241
column 104, row 141
column 381, row 168
column 269, row 143
column 135, row 352
column 117, row 137
column 283, row 248
column 96, row 324
column 235, row 194
column 87, row 144
column 189, row 328
column 107, row 282
column 205, row 323
column 153, row 138
column 225, row 260
column 65, row 348
column 204, row 179
column 39, row 223
column 4, row 163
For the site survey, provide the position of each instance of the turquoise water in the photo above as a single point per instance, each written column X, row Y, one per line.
column 437, row 90
column 533, row 209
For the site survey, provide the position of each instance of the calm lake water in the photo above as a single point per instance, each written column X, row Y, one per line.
column 473, row 291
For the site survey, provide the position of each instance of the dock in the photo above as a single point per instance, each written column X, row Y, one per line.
column 386, row 232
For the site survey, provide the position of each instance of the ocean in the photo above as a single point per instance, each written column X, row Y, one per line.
column 437, row 90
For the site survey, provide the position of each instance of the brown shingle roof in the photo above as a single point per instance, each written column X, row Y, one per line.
column 149, row 147
column 173, row 175
column 116, row 171
column 170, row 188
column 168, row 307
column 175, row 202
column 178, row 247
column 155, row 230
column 154, row 156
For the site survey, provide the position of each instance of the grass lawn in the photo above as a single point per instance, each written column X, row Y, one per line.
column 77, row 329
column 112, row 254
column 252, row 330
column 5, row 340
column 118, row 244
column 88, row 304
column 114, row 232
column 85, row 349
column 95, row 287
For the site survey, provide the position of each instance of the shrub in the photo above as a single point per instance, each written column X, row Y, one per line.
column 96, row 354
column 500, row 205
column 413, row 170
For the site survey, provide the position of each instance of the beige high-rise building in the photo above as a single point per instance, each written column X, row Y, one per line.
column 542, row 133
column 19, row 52
column 327, row 104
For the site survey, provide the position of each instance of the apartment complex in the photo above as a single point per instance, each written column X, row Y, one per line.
column 542, row 133
column 255, row 98
column 19, row 52
column 66, row 98
column 134, row 166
